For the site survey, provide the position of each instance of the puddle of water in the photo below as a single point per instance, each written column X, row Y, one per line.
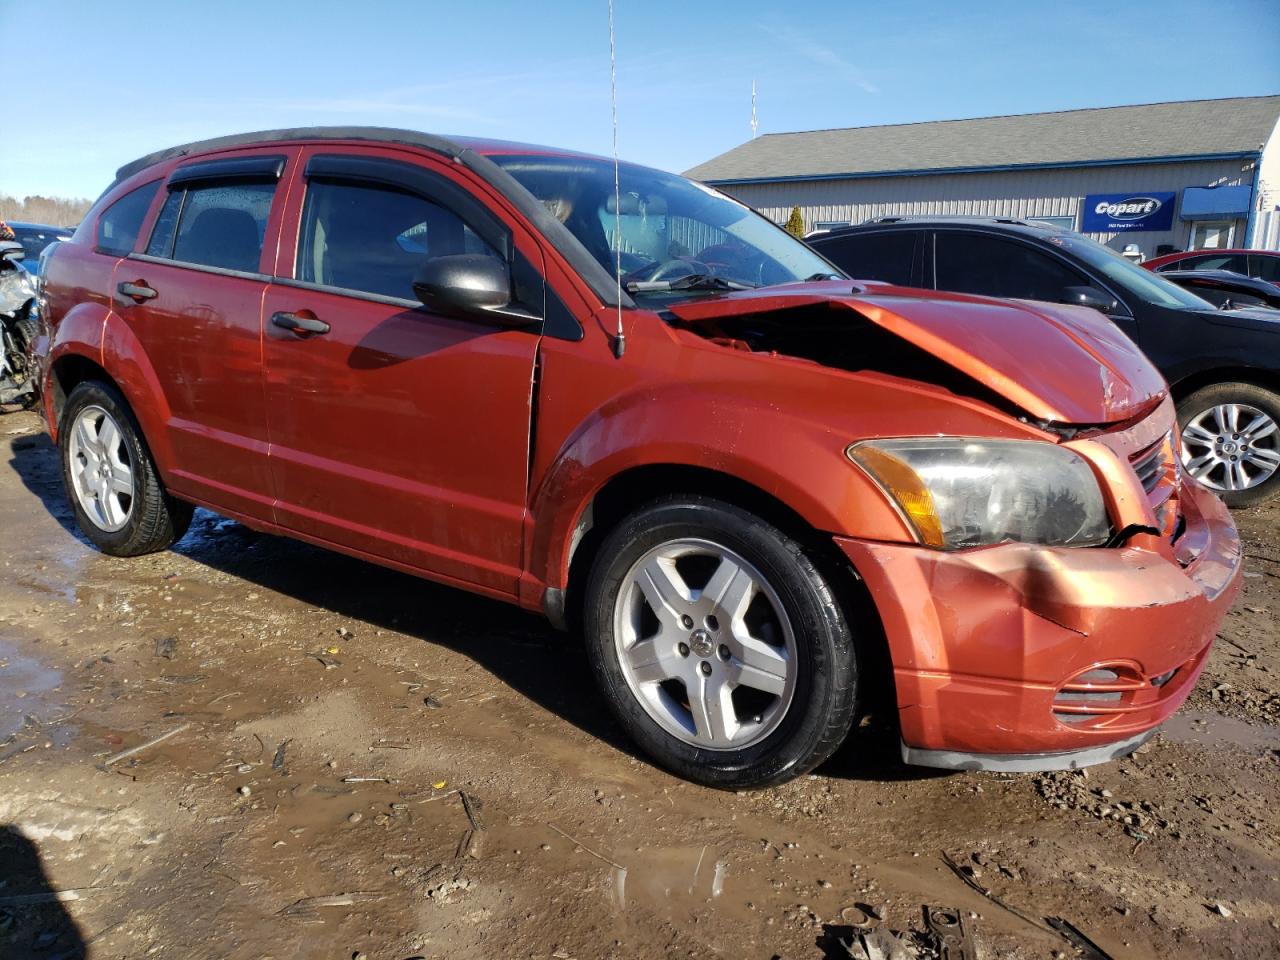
column 1214, row 730
column 28, row 688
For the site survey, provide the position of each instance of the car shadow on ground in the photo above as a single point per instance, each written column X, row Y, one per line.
column 32, row 920
column 519, row 648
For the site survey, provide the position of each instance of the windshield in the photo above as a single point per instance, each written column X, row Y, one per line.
column 1143, row 284
column 675, row 238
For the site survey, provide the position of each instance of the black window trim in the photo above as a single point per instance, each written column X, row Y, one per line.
column 234, row 168
column 97, row 223
column 1048, row 250
column 201, row 267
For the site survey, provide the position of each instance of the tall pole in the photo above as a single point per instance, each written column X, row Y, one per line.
column 754, row 122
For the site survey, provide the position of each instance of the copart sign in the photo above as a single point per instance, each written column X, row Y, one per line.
column 1124, row 212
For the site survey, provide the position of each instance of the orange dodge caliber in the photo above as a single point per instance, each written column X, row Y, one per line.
column 761, row 491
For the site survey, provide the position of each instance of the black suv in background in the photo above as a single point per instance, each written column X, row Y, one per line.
column 1223, row 366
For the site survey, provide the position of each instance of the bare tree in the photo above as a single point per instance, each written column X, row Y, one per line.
column 55, row 211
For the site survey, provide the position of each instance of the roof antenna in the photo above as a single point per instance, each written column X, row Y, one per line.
column 754, row 122
column 620, row 339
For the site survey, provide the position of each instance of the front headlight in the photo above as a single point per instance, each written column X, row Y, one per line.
column 958, row 492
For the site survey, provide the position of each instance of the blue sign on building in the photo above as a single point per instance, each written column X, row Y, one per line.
column 1122, row 212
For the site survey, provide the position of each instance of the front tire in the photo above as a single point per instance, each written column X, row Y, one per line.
column 1231, row 441
column 719, row 645
column 111, row 481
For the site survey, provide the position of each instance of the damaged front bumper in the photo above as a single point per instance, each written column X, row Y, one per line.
column 1019, row 657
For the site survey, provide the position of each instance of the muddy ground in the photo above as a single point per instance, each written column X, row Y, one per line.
column 286, row 671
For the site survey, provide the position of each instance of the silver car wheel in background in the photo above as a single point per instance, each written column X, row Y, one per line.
column 101, row 469
column 1233, row 446
column 712, row 661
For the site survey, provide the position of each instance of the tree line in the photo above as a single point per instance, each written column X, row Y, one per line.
column 55, row 211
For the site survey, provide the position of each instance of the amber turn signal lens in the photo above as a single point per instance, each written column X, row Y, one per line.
column 905, row 486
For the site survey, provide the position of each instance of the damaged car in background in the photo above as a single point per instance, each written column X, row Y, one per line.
column 17, row 326
column 764, row 495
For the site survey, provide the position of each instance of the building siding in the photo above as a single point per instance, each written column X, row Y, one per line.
column 1014, row 193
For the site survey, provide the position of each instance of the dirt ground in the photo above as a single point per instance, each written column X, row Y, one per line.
column 359, row 763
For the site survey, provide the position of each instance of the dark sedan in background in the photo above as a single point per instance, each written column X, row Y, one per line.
column 1227, row 290
column 34, row 237
column 1262, row 264
column 1223, row 365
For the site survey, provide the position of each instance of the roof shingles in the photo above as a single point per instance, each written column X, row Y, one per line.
column 1150, row 131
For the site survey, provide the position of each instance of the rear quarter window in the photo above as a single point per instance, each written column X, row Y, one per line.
column 120, row 223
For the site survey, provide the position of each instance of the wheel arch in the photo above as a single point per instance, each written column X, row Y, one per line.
column 633, row 488
column 1266, row 379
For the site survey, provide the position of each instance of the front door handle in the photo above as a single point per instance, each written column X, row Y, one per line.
column 299, row 324
column 136, row 290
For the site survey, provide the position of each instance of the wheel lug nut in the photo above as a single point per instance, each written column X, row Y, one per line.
column 687, row 621
column 705, row 668
column 684, row 649
column 724, row 652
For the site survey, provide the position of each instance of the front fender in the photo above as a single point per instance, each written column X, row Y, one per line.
column 797, row 460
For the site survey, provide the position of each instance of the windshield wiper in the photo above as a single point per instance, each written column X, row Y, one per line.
column 822, row 276
column 694, row 281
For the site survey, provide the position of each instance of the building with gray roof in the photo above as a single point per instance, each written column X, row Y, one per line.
column 1199, row 173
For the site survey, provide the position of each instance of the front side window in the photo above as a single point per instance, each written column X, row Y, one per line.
column 374, row 239
column 1128, row 276
column 214, row 224
column 119, row 224
column 674, row 237
column 886, row 256
column 994, row 267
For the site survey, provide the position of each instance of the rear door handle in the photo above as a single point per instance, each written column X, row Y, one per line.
column 299, row 324
column 136, row 290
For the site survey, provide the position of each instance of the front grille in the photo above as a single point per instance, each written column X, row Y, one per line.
column 1149, row 464
column 1115, row 695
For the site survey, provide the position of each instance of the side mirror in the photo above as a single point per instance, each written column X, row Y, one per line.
column 11, row 250
column 1089, row 297
column 471, row 286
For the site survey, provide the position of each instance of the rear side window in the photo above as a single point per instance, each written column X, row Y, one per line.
column 374, row 238
column 884, row 256
column 993, row 267
column 1268, row 268
column 214, row 224
column 1215, row 261
column 119, row 224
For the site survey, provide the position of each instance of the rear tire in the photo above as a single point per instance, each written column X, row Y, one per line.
column 744, row 674
column 110, row 478
column 1233, row 420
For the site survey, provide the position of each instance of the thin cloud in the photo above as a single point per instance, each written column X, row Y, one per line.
column 823, row 56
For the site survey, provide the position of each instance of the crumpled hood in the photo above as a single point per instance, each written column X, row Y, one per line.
column 1062, row 364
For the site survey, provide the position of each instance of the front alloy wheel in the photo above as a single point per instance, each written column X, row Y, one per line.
column 705, row 644
column 718, row 643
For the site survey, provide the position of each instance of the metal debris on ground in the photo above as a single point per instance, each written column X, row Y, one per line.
column 1086, row 947
column 134, row 751
column 277, row 762
column 950, row 931
column 965, row 873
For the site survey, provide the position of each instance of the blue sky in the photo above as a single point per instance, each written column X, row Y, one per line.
column 104, row 81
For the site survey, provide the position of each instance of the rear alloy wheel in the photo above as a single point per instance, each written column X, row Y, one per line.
column 115, row 491
column 719, row 645
column 1231, row 441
